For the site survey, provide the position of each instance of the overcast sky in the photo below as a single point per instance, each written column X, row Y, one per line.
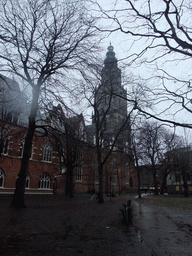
column 126, row 45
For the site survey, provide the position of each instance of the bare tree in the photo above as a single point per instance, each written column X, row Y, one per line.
column 12, row 100
column 136, row 154
column 151, row 141
column 172, row 142
column 179, row 166
column 40, row 42
column 110, row 118
column 161, row 40
column 69, row 136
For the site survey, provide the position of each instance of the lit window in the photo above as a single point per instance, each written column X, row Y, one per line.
column 44, row 181
column 1, row 178
column 47, row 153
column 63, row 170
column 21, row 149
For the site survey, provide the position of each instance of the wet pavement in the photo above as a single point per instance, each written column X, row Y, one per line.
column 55, row 225
column 163, row 231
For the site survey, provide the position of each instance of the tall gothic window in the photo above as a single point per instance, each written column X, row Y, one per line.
column 2, row 177
column 47, row 153
column 21, row 149
column 94, row 140
column 178, row 177
column 44, row 181
column 27, row 181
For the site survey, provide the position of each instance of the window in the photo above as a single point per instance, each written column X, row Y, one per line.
column 79, row 166
column 94, row 140
column 126, row 149
column 4, row 142
column 27, row 181
column 47, row 153
column 127, row 173
column 44, row 181
column 62, row 163
column 81, row 130
column 21, row 149
column 63, row 170
column 178, row 177
column 1, row 178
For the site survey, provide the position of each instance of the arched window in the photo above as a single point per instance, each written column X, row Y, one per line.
column 4, row 141
column 21, row 149
column 2, row 177
column 178, row 177
column 27, row 181
column 47, row 153
column 94, row 140
column 44, row 181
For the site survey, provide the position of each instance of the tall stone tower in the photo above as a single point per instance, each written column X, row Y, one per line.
column 111, row 100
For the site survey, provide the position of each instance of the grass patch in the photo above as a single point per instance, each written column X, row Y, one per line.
column 176, row 203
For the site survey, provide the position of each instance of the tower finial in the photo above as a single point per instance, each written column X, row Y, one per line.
column 110, row 57
column 110, row 48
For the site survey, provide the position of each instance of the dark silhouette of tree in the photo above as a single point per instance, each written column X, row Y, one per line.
column 160, row 32
column 106, row 141
column 180, row 166
column 136, row 154
column 40, row 42
column 152, row 148
column 69, row 136
column 172, row 143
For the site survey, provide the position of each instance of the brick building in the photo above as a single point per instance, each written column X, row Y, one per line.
column 48, row 169
column 43, row 164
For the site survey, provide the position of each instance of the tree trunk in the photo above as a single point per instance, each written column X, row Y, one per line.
column 71, row 183
column 100, row 194
column 100, row 171
column 67, row 183
column 138, row 177
column 18, row 198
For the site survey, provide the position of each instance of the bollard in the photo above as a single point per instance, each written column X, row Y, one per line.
column 126, row 212
column 129, row 212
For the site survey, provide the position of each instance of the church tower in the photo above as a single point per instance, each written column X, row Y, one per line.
column 111, row 100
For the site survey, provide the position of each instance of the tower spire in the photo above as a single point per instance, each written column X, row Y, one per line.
column 110, row 60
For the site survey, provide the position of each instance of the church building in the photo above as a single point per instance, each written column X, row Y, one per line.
column 111, row 99
column 113, row 121
column 47, row 171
